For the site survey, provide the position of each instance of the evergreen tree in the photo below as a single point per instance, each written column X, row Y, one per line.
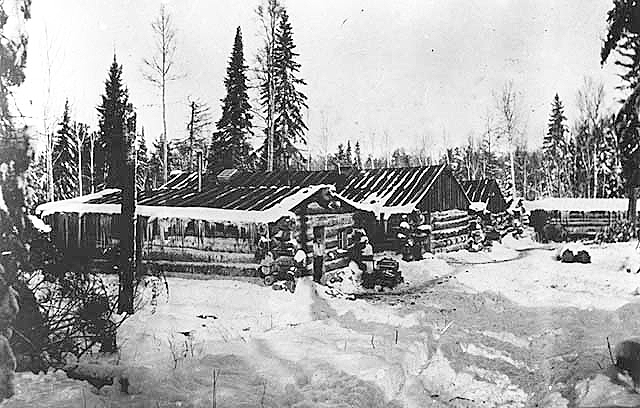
column 623, row 20
column 348, row 154
column 142, row 163
column 340, row 155
column 555, row 146
column 115, row 117
column 357, row 161
column 369, row 163
column 230, row 146
column 65, row 158
column 629, row 60
column 289, row 101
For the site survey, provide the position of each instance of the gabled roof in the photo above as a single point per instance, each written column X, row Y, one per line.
column 221, row 203
column 479, row 190
column 379, row 190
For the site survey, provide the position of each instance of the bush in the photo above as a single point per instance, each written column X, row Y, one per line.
column 620, row 231
column 65, row 310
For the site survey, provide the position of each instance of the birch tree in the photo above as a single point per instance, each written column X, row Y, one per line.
column 159, row 69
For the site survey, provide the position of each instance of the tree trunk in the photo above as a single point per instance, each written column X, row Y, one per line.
column 165, row 164
column 92, row 170
column 125, row 294
column 50, row 165
column 79, row 164
column 595, row 175
column 513, row 174
column 632, row 212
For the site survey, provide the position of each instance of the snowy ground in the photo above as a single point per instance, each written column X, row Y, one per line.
column 511, row 328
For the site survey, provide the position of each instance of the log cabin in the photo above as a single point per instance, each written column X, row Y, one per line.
column 388, row 195
column 217, row 229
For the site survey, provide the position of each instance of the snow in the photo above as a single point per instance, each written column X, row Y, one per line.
column 39, row 224
column 578, row 204
column 310, row 349
column 539, row 280
column 282, row 209
column 477, row 206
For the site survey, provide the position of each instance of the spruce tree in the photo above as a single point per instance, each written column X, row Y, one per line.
column 348, row 156
column 357, row 161
column 230, row 146
column 115, row 114
column 554, row 145
column 142, row 163
column 629, row 61
column 289, row 101
column 65, row 158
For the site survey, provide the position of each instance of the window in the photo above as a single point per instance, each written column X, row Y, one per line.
column 343, row 238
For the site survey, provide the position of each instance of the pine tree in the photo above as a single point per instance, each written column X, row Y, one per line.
column 357, row 161
column 348, row 154
column 115, row 114
column 64, row 158
column 230, row 146
column 555, row 147
column 289, row 101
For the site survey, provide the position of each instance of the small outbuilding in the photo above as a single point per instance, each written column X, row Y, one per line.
column 485, row 193
column 578, row 217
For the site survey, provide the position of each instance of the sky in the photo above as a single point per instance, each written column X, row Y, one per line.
column 421, row 72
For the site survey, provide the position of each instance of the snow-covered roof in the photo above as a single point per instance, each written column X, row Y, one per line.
column 264, row 206
column 578, row 204
column 387, row 190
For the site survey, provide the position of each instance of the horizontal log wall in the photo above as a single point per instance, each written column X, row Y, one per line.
column 586, row 223
column 449, row 230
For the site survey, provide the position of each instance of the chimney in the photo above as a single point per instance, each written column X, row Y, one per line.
column 199, row 158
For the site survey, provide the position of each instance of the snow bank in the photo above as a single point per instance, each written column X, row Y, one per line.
column 474, row 384
column 416, row 273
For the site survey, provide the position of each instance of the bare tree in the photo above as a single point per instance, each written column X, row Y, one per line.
column 269, row 16
column 159, row 68
column 590, row 100
column 200, row 120
column 510, row 121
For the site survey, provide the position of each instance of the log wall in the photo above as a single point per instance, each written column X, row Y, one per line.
column 338, row 230
column 580, row 224
column 449, row 230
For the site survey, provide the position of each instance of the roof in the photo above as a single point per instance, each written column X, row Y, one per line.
column 379, row 190
column 479, row 190
column 221, row 203
column 578, row 204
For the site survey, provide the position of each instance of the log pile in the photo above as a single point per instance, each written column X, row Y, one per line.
column 450, row 230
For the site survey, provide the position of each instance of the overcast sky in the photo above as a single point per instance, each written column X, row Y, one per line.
column 413, row 69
